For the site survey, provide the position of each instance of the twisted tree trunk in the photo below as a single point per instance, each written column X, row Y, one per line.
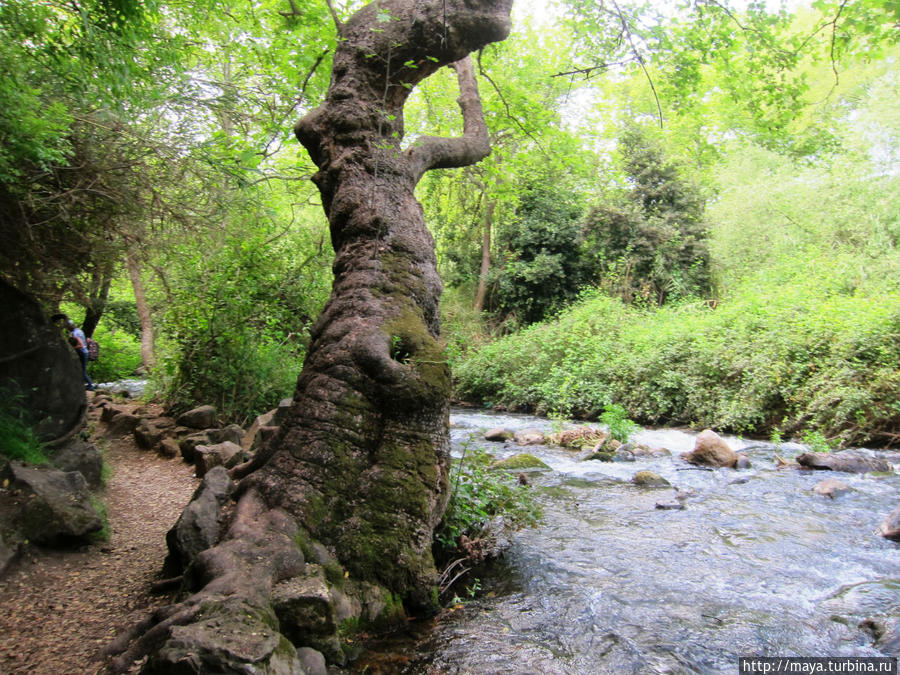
column 361, row 462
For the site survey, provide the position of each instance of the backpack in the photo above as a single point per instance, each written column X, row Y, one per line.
column 93, row 349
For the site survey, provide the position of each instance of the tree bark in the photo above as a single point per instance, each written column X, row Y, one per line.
column 96, row 301
column 481, row 294
column 143, row 310
column 361, row 462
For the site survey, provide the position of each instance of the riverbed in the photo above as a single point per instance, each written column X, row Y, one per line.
column 756, row 564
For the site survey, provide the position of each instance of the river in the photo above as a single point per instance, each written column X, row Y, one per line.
column 755, row 565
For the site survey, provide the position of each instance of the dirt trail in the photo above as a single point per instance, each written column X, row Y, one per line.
column 58, row 609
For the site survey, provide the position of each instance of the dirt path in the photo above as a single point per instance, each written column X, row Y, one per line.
column 58, row 609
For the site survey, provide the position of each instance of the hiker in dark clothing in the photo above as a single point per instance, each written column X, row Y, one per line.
column 79, row 341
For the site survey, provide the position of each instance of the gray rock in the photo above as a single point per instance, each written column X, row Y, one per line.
column 281, row 412
column 203, row 417
column 82, row 457
column 670, row 506
column 530, row 437
column 110, row 411
column 188, row 445
column 649, row 479
column 498, row 435
column 306, row 614
column 250, row 440
column 313, row 661
column 846, row 461
column 831, row 487
column 122, row 424
column 227, row 642
column 148, row 435
column 198, row 527
column 232, row 433
column 641, row 450
column 168, row 447
column 225, row 454
column 50, row 506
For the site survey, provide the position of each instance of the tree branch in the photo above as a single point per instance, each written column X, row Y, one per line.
column 431, row 152
column 640, row 59
column 339, row 26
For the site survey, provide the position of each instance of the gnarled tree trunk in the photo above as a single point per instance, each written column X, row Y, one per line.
column 361, row 463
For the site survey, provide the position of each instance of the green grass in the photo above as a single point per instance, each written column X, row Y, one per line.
column 17, row 440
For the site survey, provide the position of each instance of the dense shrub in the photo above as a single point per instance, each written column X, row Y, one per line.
column 543, row 267
column 800, row 355
column 236, row 329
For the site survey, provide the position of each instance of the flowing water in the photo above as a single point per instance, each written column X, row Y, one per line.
column 756, row 564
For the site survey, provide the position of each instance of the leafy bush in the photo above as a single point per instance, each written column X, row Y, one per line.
column 479, row 494
column 543, row 268
column 615, row 417
column 120, row 354
column 795, row 356
column 235, row 334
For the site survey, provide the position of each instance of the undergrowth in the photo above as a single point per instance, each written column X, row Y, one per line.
column 17, row 439
column 479, row 495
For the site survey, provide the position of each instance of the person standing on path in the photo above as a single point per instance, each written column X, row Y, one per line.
column 79, row 341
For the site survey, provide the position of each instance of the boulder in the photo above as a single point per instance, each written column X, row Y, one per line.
column 168, row 447
column 530, row 437
column 39, row 369
column 281, row 412
column 890, row 528
column 203, row 417
column 110, row 411
column 188, row 445
column 82, row 457
column 226, row 642
column 649, row 479
column 674, row 505
column 49, row 506
column 313, row 661
column 232, row 433
column 225, row 454
column 519, row 462
column 609, row 444
column 249, row 441
column 198, row 527
column 711, row 450
column 122, row 424
column 831, row 487
column 846, row 461
column 641, row 450
column 148, row 434
column 498, row 435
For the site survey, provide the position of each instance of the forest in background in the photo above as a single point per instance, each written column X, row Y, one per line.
column 692, row 213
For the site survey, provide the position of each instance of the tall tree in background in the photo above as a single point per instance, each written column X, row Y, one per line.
column 651, row 246
column 361, row 463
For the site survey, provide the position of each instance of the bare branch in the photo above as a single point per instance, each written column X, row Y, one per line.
column 640, row 59
column 432, row 152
